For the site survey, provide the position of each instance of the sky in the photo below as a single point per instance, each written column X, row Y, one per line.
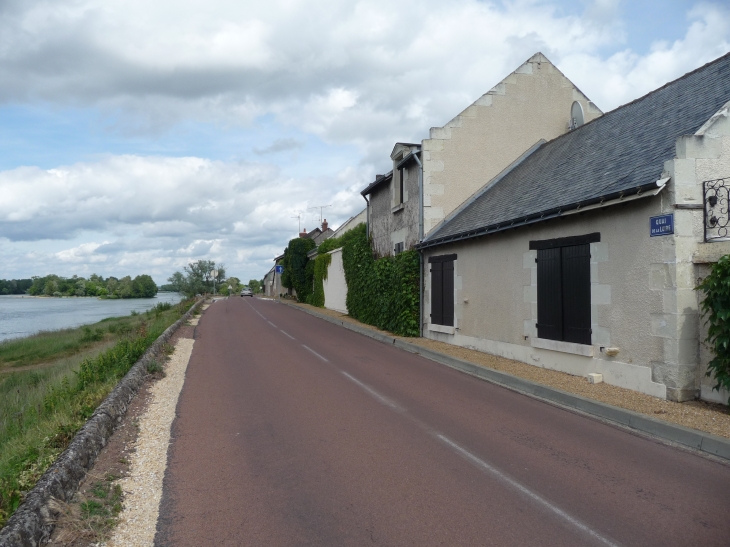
column 138, row 136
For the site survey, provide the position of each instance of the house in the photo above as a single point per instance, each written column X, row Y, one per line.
column 535, row 102
column 430, row 180
column 394, row 204
column 351, row 223
column 582, row 256
column 272, row 280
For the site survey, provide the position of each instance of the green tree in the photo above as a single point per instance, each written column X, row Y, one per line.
column 296, row 274
column 144, row 286
column 254, row 285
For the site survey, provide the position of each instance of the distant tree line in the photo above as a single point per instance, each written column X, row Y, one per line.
column 198, row 277
column 15, row 286
column 203, row 277
column 141, row 286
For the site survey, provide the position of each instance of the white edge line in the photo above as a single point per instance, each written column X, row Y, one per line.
column 270, row 323
column 317, row 354
column 371, row 391
column 289, row 335
column 535, row 497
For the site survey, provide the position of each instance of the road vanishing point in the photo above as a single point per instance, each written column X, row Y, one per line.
column 292, row 431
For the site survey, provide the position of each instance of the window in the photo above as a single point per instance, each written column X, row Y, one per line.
column 401, row 181
column 399, row 247
column 442, row 289
column 564, row 288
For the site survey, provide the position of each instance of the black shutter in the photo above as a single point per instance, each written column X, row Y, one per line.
column 576, row 266
column 448, row 293
column 437, row 293
column 549, row 295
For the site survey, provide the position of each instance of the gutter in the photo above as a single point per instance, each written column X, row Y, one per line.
column 645, row 190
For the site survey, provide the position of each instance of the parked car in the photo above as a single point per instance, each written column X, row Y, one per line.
column 246, row 292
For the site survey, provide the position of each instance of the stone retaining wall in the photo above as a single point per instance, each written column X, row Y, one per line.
column 33, row 522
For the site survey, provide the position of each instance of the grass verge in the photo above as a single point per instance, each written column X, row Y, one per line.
column 41, row 410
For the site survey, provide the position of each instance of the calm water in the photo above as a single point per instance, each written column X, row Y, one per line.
column 22, row 316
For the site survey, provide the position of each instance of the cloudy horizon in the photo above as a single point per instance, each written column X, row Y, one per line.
column 137, row 137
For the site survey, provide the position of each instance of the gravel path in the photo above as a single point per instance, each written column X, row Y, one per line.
column 143, row 487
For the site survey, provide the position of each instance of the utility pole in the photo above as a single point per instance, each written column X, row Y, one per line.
column 321, row 208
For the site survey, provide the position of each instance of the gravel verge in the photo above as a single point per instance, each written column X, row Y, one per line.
column 708, row 417
column 33, row 522
column 143, row 486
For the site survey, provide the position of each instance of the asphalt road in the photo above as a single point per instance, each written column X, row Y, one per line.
column 294, row 431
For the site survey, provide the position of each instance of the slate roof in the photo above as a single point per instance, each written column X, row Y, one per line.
column 621, row 152
column 377, row 182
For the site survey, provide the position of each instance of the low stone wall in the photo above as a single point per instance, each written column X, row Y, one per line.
column 33, row 522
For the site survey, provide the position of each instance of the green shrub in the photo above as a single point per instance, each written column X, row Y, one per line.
column 716, row 304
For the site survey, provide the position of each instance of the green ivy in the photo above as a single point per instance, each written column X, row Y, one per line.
column 298, row 275
column 321, row 264
column 716, row 305
column 382, row 292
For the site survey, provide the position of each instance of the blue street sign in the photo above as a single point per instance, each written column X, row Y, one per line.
column 662, row 225
column 280, row 269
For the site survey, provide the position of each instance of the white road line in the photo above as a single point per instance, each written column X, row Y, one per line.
column 289, row 335
column 535, row 497
column 270, row 323
column 317, row 354
column 382, row 398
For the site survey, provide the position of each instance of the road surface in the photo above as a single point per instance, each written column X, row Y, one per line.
column 293, row 431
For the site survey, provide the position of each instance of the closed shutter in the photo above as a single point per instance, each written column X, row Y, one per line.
column 437, row 293
column 448, row 294
column 549, row 294
column 576, row 266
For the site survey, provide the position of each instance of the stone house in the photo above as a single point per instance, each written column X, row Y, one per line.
column 582, row 256
column 429, row 181
column 536, row 102
column 393, row 203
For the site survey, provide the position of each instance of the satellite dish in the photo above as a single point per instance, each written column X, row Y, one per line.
column 576, row 115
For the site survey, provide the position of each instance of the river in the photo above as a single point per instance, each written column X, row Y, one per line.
column 26, row 315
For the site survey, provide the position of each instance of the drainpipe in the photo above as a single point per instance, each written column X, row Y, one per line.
column 420, row 239
column 367, row 217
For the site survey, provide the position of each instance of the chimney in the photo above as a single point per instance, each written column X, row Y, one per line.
column 303, row 233
column 324, row 225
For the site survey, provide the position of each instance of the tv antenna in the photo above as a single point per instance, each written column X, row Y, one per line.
column 299, row 220
column 321, row 208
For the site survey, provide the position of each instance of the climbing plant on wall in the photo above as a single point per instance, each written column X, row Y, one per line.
column 382, row 292
column 716, row 305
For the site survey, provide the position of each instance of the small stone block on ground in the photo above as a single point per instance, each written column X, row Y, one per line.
column 595, row 378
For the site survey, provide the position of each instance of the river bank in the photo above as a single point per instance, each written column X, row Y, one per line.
column 24, row 315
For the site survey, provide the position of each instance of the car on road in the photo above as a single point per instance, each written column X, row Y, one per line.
column 246, row 292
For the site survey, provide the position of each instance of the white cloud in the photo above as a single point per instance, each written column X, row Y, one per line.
column 159, row 213
column 353, row 72
column 367, row 73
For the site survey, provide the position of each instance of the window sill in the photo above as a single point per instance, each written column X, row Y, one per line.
column 398, row 207
column 441, row 328
column 565, row 347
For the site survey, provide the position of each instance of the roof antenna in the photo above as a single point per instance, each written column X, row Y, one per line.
column 299, row 220
column 321, row 208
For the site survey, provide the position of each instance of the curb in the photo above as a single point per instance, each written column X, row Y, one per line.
column 33, row 522
column 685, row 436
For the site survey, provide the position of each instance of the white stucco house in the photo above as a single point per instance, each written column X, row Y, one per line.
column 582, row 255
